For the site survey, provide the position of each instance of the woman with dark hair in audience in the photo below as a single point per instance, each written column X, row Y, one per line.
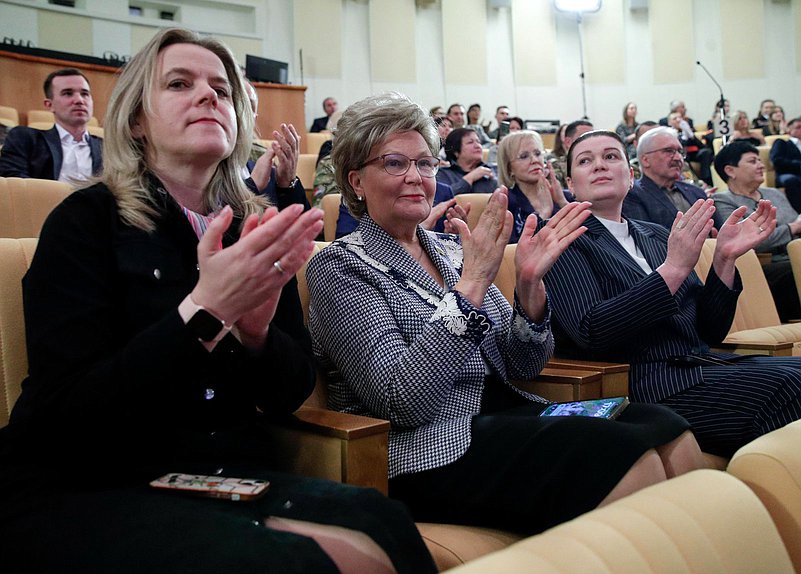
column 558, row 145
column 516, row 124
column 763, row 116
column 626, row 291
column 467, row 172
column 742, row 131
column 533, row 187
column 410, row 328
column 739, row 165
column 627, row 129
column 164, row 330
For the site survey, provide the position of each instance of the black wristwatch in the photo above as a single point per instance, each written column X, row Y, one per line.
column 205, row 326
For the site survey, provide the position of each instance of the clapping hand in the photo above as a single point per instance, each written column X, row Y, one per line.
column 537, row 251
column 687, row 236
column 738, row 235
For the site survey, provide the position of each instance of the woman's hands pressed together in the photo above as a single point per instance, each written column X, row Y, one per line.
column 537, row 252
column 483, row 247
column 241, row 284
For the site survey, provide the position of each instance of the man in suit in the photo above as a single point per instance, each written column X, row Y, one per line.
column 660, row 192
column 329, row 107
column 786, row 159
column 65, row 152
column 678, row 107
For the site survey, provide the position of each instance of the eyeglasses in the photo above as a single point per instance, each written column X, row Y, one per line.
column 669, row 151
column 399, row 164
column 529, row 155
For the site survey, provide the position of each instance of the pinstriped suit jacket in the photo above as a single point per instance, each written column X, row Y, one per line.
column 398, row 346
column 605, row 307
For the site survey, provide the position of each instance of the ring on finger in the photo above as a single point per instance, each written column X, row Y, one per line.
column 279, row 267
column 761, row 229
column 680, row 225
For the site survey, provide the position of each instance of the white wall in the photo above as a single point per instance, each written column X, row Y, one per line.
column 272, row 26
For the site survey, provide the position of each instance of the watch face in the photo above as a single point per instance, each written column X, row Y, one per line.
column 204, row 325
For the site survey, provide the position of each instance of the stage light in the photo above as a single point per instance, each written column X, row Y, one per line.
column 577, row 5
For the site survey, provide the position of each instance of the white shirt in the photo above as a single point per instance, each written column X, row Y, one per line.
column 76, row 164
column 797, row 142
column 621, row 232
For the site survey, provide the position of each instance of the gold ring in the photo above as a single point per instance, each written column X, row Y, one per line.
column 278, row 266
column 680, row 225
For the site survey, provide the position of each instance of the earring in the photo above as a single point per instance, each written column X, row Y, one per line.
column 359, row 198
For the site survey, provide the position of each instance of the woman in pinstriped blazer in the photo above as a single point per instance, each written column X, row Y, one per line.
column 626, row 291
column 409, row 327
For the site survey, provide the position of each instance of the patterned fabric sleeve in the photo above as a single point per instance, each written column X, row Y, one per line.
column 354, row 325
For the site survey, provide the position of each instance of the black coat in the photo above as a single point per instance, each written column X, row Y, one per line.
column 29, row 152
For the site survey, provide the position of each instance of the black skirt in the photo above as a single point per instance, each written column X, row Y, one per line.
column 527, row 473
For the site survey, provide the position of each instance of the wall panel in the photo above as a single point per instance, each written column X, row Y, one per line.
column 534, row 43
column 672, row 40
column 464, row 33
column 393, row 56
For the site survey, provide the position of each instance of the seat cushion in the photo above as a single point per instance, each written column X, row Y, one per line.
column 452, row 545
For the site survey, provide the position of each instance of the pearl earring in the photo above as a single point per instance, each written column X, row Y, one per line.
column 359, row 198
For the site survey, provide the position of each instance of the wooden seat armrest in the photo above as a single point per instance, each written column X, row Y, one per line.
column 563, row 385
column 783, row 349
column 345, row 426
column 336, row 446
column 614, row 376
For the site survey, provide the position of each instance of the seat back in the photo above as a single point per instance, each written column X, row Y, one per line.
column 704, row 521
column 477, row 201
column 771, row 466
column 794, row 251
column 314, row 141
column 41, row 117
column 26, row 203
column 318, row 398
column 307, row 166
column 755, row 307
column 15, row 258
column 330, row 206
column 9, row 117
column 506, row 278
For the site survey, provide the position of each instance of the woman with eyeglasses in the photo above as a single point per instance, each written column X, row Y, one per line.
column 626, row 291
column 409, row 328
column 533, row 187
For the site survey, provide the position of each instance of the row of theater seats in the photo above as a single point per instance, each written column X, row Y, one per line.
column 41, row 120
column 354, row 450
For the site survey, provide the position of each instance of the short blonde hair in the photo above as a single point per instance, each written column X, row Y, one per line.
column 367, row 123
column 508, row 150
column 125, row 168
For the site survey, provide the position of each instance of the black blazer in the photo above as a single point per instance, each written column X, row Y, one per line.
column 605, row 307
column 115, row 374
column 319, row 124
column 786, row 157
column 648, row 202
column 28, row 152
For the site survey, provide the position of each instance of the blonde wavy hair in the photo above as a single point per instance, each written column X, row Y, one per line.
column 508, row 150
column 125, row 168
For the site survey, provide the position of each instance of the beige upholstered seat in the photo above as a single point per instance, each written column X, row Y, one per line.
column 477, row 201
column 330, row 206
column 704, row 522
column 307, row 166
column 314, row 141
column 9, row 117
column 26, row 203
column 756, row 326
column 15, row 258
column 771, row 466
column 41, row 116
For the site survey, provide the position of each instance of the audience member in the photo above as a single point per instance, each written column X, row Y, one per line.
column 678, row 107
column 501, row 115
column 763, row 116
column 777, row 126
column 785, row 155
column 329, row 107
column 456, row 115
column 437, row 112
column 164, row 329
column 533, row 187
column 626, row 291
column 411, row 329
column 467, row 172
column 643, row 127
column 65, row 152
column 694, row 149
column 324, row 180
column 742, row 130
column 279, row 183
column 627, row 129
column 660, row 193
column 559, row 163
column 739, row 165
column 444, row 128
column 474, row 123
column 558, row 143
column 516, row 124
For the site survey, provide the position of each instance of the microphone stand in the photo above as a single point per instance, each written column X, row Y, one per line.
column 724, row 122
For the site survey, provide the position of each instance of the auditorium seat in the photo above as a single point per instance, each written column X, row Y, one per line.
column 704, row 522
column 307, row 166
column 771, row 467
column 41, row 117
column 330, row 206
column 756, row 328
column 9, row 117
column 794, row 252
column 314, row 141
column 477, row 201
column 26, row 203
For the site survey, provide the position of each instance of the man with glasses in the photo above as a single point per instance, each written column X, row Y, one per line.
column 660, row 193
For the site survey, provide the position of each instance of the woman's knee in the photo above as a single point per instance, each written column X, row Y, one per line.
column 648, row 470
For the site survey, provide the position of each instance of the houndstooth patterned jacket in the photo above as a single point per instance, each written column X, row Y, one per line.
column 395, row 345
